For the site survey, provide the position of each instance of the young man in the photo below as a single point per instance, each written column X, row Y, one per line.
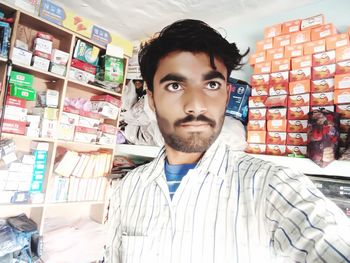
column 199, row 200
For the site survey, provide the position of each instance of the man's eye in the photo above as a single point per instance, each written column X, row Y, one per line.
column 174, row 87
column 213, row 85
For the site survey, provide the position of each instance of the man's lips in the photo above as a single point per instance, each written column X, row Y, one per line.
column 195, row 124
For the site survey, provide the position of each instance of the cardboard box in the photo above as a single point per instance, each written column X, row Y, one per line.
column 276, row 114
column 322, row 99
column 279, row 78
column 89, row 119
column 323, row 58
column 46, row 113
column 70, row 116
column 81, row 75
column 291, row 26
column 323, row 31
column 298, row 113
column 257, row 102
column 281, row 41
column 276, row 138
column 260, row 91
column 299, row 87
column 40, row 63
column 48, row 128
column 293, row 51
column 311, row 22
column 323, row 72
column 342, row 53
column 300, row 74
column 260, row 80
column 42, row 45
column 276, row 101
column 264, row 45
column 20, row 78
column 256, row 125
column 256, row 136
column 343, row 110
column 16, row 127
column 339, row 40
column 342, row 67
column 275, row 149
column 84, row 134
column 297, row 126
column 272, row 31
column 301, row 62
column 297, row 139
column 277, row 125
column 65, row 132
column 278, row 89
column 20, row 56
column 299, row 100
column 262, row 68
column 300, row 37
column 322, row 85
column 280, row 65
column 107, row 106
column 342, row 96
column 107, row 128
column 274, row 53
column 106, row 139
column 15, row 113
column 342, row 81
column 256, row 148
column 59, row 57
column 296, row 150
column 17, row 102
column 257, row 58
column 23, row 92
column 83, row 66
column 344, row 125
column 58, row 69
column 86, row 52
column 257, row 114
column 329, row 108
column 316, row 46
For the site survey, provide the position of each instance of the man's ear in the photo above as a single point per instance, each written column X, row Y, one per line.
column 150, row 100
column 228, row 90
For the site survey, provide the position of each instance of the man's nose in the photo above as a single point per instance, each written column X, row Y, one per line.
column 195, row 102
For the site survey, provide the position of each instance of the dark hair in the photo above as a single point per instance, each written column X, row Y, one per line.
column 188, row 35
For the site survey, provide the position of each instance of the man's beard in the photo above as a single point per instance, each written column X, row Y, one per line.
column 196, row 141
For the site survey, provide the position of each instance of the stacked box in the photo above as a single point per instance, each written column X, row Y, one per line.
column 42, row 49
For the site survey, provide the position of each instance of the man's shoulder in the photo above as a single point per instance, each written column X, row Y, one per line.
column 140, row 171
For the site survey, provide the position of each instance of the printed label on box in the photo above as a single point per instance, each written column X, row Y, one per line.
column 297, row 126
column 256, row 148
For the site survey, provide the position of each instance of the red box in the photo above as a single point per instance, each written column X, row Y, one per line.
column 107, row 128
column 293, row 51
column 16, row 127
column 322, row 99
column 276, row 101
column 300, row 74
column 300, row 37
column 277, row 125
column 107, row 98
column 279, row 78
column 278, row 89
column 256, row 125
column 336, row 41
column 291, row 26
column 274, row 53
column 256, row 148
column 323, row 31
column 297, row 126
column 343, row 110
column 302, row 62
column 257, row 102
column 71, row 110
column 299, row 87
column 297, row 138
column 297, row 150
column 281, row 41
column 342, row 53
column 276, row 138
column 258, row 57
column 342, row 67
column 299, row 100
column 298, row 113
column 14, row 101
column 280, row 65
column 312, row 22
column 272, row 31
column 264, row 44
column 260, row 80
column 89, row 114
column 256, row 136
column 323, row 72
column 342, row 81
column 275, row 149
column 257, row 114
column 344, row 125
column 262, row 68
column 83, row 66
column 329, row 107
column 260, row 90
column 323, row 58
column 276, row 114
column 314, row 47
column 322, row 85
column 342, row 96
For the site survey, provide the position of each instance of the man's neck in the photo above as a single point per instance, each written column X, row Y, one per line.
column 176, row 157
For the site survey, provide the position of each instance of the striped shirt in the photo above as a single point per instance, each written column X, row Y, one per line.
column 231, row 208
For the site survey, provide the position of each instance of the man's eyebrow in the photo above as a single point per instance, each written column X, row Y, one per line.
column 172, row 77
column 213, row 75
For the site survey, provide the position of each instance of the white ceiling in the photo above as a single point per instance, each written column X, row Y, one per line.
column 138, row 19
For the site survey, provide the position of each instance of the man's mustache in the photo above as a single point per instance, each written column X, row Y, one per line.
column 190, row 118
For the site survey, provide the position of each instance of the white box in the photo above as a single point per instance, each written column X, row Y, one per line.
column 58, row 69
column 105, row 108
column 69, row 118
column 20, row 56
column 42, row 45
column 24, row 186
column 28, row 159
column 83, row 134
column 33, row 121
column 65, row 132
column 48, row 128
column 81, row 75
column 5, row 196
column 107, row 139
column 41, row 63
column 59, row 57
column 15, row 113
column 52, row 98
column 33, row 132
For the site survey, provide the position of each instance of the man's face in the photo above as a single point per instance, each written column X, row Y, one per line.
column 189, row 99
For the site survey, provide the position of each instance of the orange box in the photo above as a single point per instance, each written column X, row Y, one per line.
column 342, row 53
column 274, row 53
column 260, row 90
column 258, row 57
column 342, row 96
column 323, row 72
column 343, row 110
column 279, row 77
column 297, row 126
column 291, row 26
column 280, row 65
column 257, row 102
column 322, row 85
column 262, row 68
column 264, row 44
column 342, row 81
column 276, row 138
column 323, row 31
column 298, row 113
column 299, row 100
column 299, row 87
column 276, row 114
column 256, row 136
column 311, row 22
column 322, row 98
column 256, row 148
column 297, row 138
column 257, row 114
column 336, row 41
column 260, row 79
column 344, row 125
column 300, row 37
column 278, row 89
column 314, row 47
column 256, row 125
column 276, row 101
column 272, row 31
column 329, row 107
column 293, row 51
column 300, row 74
column 296, row 150
column 281, row 41
column 277, row 125
column 275, row 149
column 302, row 62
column 342, row 67
column 323, row 58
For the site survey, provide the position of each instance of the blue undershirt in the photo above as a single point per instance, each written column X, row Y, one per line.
column 174, row 174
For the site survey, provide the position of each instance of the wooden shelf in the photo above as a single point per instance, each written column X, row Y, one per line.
column 12, row 135
column 84, row 145
column 92, row 87
column 3, row 59
column 137, row 150
column 32, row 70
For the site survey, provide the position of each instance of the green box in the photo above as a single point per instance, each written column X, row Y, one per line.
column 113, row 69
column 21, row 78
column 86, row 52
column 23, row 92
